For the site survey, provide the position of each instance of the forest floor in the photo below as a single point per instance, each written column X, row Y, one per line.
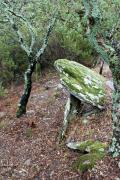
column 29, row 148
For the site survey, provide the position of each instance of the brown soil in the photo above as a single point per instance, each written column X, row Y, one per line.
column 29, row 148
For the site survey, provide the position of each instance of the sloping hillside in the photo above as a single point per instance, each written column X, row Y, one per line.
column 29, row 147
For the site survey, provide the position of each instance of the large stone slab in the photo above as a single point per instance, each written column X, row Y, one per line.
column 82, row 82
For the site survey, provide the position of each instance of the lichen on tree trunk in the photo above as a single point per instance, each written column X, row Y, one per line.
column 115, row 144
column 27, row 90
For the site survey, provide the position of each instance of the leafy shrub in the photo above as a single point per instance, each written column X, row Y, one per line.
column 3, row 91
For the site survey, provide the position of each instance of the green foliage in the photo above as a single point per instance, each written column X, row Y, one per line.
column 12, row 59
column 29, row 133
column 87, row 161
column 68, row 41
column 71, row 34
column 95, row 151
column 74, row 41
column 3, row 91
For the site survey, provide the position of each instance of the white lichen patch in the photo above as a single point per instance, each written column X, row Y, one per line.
column 92, row 96
column 88, row 80
column 67, row 108
column 77, row 86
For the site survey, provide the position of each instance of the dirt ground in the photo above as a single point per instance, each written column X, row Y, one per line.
column 29, row 148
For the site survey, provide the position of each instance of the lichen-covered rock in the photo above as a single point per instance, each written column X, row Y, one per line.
column 89, row 146
column 81, row 82
column 81, row 146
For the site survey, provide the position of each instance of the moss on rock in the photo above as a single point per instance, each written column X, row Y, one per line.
column 88, row 146
column 81, row 146
column 97, row 147
column 82, row 82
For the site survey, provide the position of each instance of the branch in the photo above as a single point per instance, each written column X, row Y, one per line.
column 92, row 25
column 27, row 23
column 21, row 39
column 45, row 41
column 30, row 28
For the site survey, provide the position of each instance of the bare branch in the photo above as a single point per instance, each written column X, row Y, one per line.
column 27, row 23
column 45, row 41
column 30, row 28
column 21, row 40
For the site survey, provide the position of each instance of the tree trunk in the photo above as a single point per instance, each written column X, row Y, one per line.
column 115, row 144
column 27, row 90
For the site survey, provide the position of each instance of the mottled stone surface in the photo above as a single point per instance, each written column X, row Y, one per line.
column 82, row 82
column 89, row 146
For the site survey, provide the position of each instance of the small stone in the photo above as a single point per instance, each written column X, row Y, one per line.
column 59, row 87
column 85, row 121
column 2, row 114
column 27, row 162
column 30, row 112
column 86, row 162
column 23, row 172
column 117, row 178
column 101, row 173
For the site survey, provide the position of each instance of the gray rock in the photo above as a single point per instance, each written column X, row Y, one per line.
column 27, row 162
column 110, row 84
column 2, row 114
column 83, row 83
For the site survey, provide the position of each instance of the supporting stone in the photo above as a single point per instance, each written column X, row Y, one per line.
column 71, row 109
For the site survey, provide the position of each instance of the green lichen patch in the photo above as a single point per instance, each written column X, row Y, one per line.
column 88, row 146
column 82, row 82
column 96, row 147
column 81, row 146
column 87, row 161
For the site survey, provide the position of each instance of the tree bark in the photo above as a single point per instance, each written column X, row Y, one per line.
column 115, row 144
column 112, row 57
column 27, row 90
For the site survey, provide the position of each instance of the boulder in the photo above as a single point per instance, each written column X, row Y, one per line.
column 82, row 82
column 88, row 146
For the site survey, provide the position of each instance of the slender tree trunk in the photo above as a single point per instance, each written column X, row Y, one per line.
column 27, row 89
column 115, row 144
